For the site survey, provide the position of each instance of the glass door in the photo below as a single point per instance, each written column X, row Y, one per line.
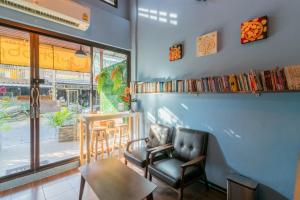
column 65, row 70
column 45, row 85
column 16, row 127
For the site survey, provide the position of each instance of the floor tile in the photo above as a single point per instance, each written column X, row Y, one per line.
column 66, row 187
column 89, row 194
column 74, row 180
column 30, row 194
column 57, row 188
column 67, row 195
column 6, row 197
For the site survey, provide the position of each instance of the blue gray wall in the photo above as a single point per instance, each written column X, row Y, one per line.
column 255, row 136
column 109, row 25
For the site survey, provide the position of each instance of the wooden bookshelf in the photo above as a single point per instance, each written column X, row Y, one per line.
column 277, row 80
column 257, row 93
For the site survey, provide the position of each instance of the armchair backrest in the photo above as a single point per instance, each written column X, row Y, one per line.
column 158, row 135
column 188, row 144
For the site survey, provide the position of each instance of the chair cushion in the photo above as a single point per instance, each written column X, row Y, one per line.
column 169, row 171
column 138, row 155
column 158, row 135
column 189, row 144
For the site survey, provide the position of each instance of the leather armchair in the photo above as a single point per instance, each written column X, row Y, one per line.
column 186, row 161
column 159, row 136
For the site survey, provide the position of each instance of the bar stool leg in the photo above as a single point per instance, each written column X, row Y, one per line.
column 107, row 144
column 91, row 145
column 102, row 148
column 96, row 147
column 120, row 140
column 127, row 135
column 115, row 138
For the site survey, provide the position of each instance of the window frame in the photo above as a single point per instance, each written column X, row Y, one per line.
column 43, row 32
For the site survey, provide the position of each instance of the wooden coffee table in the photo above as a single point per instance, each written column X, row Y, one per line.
column 112, row 180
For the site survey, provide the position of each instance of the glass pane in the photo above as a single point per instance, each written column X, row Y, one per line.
column 110, row 81
column 65, row 66
column 14, row 101
column 111, row 2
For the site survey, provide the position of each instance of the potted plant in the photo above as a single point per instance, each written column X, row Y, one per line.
column 64, row 123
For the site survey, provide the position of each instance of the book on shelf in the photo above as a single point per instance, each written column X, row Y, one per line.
column 277, row 79
column 233, row 83
column 293, row 77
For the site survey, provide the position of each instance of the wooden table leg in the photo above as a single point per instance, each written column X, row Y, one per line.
column 150, row 196
column 82, row 183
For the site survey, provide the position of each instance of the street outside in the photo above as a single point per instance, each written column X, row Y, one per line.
column 15, row 146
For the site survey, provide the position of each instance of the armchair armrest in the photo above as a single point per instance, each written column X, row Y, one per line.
column 198, row 160
column 157, row 148
column 160, row 149
column 149, row 150
column 132, row 141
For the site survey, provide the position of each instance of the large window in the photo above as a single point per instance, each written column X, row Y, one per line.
column 69, row 79
column 110, row 81
column 14, row 101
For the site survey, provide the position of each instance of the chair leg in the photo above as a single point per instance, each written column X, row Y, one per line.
column 204, row 177
column 82, row 183
column 150, row 177
column 180, row 197
column 120, row 141
column 146, row 172
column 102, row 148
column 125, row 162
column 205, row 180
column 115, row 138
column 96, row 148
column 92, row 144
column 107, row 144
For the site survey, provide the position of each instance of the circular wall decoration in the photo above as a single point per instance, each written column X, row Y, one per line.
column 255, row 29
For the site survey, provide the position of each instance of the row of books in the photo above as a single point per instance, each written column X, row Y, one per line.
column 277, row 79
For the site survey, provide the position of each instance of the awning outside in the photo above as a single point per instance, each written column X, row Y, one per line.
column 17, row 52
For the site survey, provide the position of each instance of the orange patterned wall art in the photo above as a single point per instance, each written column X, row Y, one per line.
column 254, row 29
column 176, row 52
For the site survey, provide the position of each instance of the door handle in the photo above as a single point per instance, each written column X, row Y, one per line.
column 32, row 96
column 37, row 97
column 37, row 103
column 32, row 105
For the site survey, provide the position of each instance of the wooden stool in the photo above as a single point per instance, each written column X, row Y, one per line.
column 122, row 131
column 99, row 134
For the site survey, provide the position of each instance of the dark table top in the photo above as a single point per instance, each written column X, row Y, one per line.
column 112, row 180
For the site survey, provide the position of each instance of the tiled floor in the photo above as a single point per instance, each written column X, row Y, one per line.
column 66, row 187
